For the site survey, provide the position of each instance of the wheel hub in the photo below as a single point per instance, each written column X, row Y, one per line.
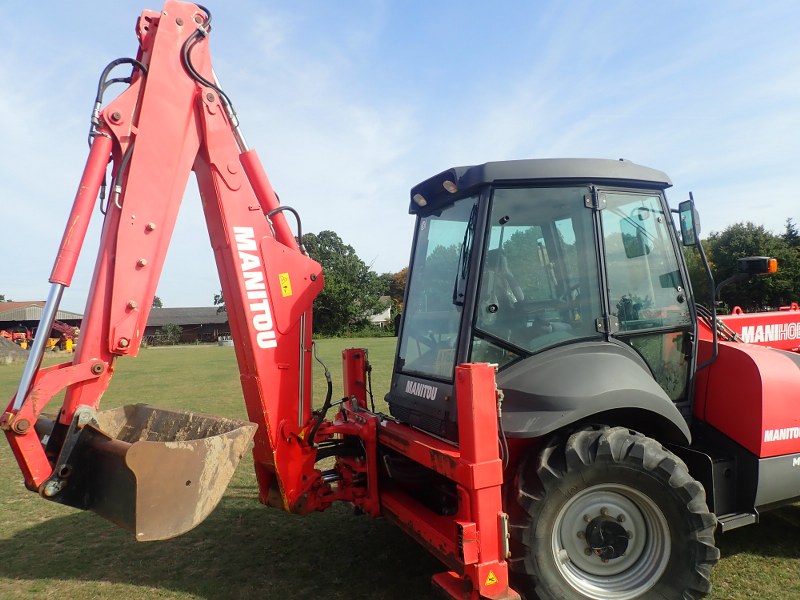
column 606, row 538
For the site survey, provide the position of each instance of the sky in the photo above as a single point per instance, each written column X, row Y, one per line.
column 349, row 104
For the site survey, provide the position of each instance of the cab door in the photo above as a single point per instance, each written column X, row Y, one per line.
column 646, row 296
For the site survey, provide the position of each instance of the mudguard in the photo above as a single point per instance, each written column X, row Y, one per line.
column 571, row 383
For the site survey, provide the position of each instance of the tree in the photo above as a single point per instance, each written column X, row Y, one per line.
column 170, row 334
column 352, row 290
column 3, row 299
column 396, row 287
column 791, row 235
column 157, row 302
column 219, row 302
column 746, row 239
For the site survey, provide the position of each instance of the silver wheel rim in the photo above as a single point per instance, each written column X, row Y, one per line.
column 626, row 574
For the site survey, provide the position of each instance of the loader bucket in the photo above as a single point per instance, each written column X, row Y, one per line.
column 155, row 472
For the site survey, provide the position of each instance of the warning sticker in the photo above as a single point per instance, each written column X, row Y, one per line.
column 286, row 284
column 491, row 579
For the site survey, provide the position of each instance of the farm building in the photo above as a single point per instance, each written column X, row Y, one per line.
column 383, row 318
column 16, row 316
column 198, row 324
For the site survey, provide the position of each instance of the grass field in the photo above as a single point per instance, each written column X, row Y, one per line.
column 245, row 550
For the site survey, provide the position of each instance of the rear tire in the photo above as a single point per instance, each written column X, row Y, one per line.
column 610, row 515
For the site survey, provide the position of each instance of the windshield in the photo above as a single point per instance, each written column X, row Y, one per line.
column 436, row 289
column 539, row 282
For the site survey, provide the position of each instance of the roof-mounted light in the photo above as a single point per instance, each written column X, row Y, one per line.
column 449, row 186
column 419, row 200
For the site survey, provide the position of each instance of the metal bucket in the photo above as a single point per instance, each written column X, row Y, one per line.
column 156, row 472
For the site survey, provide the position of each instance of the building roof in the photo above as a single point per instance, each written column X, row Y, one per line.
column 198, row 315
column 31, row 311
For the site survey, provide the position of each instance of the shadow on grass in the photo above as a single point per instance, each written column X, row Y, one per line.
column 775, row 535
column 243, row 550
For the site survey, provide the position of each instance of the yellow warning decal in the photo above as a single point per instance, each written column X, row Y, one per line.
column 286, row 284
column 491, row 579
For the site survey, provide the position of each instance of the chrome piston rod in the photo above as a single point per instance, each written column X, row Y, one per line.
column 39, row 342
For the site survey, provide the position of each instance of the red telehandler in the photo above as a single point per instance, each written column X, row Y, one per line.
column 563, row 422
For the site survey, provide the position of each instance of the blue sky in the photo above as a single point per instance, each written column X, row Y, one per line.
column 349, row 104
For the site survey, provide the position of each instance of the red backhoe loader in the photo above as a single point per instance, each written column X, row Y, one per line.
column 563, row 420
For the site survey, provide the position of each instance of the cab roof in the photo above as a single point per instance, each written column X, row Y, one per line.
column 464, row 180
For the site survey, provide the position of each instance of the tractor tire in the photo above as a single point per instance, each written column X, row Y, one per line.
column 610, row 515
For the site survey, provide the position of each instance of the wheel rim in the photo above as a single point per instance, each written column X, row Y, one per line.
column 611, row 542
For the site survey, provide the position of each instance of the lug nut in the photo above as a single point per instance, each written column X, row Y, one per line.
column 581, row 535
column 587, row 551
column 604, row 511
column 587, row 518
column 621, row 519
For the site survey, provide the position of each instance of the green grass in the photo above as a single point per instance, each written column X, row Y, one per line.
column 245, row 550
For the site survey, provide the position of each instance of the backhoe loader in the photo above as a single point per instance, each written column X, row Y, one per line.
column 564, row 421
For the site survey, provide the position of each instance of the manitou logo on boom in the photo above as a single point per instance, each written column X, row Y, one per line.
column 754, row 334
column 250, row 264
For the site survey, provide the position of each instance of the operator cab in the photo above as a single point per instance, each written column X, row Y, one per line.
column 514, row 261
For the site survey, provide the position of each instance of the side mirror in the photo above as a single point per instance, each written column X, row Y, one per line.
column 690, row 223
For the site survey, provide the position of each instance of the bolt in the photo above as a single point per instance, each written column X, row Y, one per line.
column 97, row 368
column 198, row 19
column 142, row 262
column 581, row 535
column 151, row 227
column 210, row 97
column 21, row 425
column 587, row 518
column 179, row 21
column 629, row 533
column 621, row 519
column 116, row 117
column 604, row 511
column 313, row 277
column 132, row 304
column 123, row 342
column 587, row 551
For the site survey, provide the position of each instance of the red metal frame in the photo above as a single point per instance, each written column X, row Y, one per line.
column 473, row 543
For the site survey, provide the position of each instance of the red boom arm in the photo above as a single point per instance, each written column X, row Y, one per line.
column 167, row 123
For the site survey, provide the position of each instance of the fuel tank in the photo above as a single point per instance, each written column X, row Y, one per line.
column 751, row 394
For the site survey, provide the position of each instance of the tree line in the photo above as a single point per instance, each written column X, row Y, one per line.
column 723, row 250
